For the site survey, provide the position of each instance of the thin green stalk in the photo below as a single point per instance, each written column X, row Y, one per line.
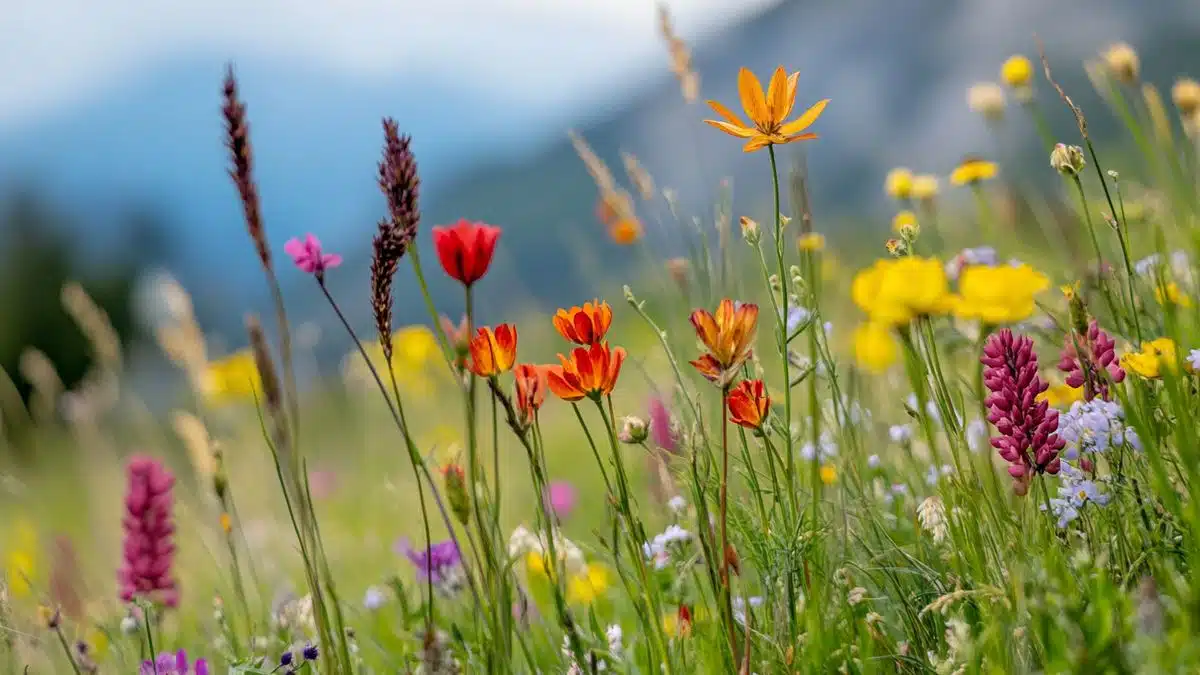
column 1123, row 237
column 781, row 319
column 1087, row 217
column 723, row 506
column 62, row 639
column 147, row 619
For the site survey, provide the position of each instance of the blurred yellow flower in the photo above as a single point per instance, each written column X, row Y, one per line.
column 535, row 564
column 97, row 641
column 1017, row 71
column 1170, row 294
column 1061, row 395
column 972, row 171
column 590, row 584
column 812, row 241
column 924, row 187
column 1186, row 95
column 233, row 378
column 905, row 221
column 21, row 557
column 875, row 347
column 998, row 295
column 893, row 292
column 1150, row 360
column 899, row 183
column 830, row 266
column 829, row 474
column 415, row 351
column 1122, row 62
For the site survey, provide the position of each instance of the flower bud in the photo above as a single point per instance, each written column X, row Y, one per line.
column 628, row 293
column 1186, row 95
column 750, row 230
column 987, row 99
column 784, row 220
column 456, row 492
column 1122, row 62
column 776, row 285
column 905, row 224
column 634, row 430
column 896, row 247
column 1067, row 159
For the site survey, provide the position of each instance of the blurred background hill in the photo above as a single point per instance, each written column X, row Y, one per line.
column 112, row 164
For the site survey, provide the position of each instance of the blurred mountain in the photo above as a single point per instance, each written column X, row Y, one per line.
column 896, row 73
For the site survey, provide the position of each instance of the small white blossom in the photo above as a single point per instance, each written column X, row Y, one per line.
column 677, row 504
column 931, row 513
column 900, row 433
column 374, row 598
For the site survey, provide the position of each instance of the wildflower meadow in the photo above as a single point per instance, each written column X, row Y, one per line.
column 962, row 441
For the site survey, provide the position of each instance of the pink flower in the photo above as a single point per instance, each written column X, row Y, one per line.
column 149, row 550
column 561, row 496
column 309, row 258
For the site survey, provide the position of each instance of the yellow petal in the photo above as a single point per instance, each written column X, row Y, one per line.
column 732, row 130
column 791, row 96
column 777, row 96
column 751, row 93
column 801, row 137
column 726, row 113
column 804, row 121
column 757, row 143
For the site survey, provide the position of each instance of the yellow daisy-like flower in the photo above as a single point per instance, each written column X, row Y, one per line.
column 767, row 112
column 1170, row 294
column 972, row 171
column 233, row 378
column 893, row 292
column 1061, row 395
column 1152, row 359
column 829, row 474
column 875, row 346
column 415, row 351
column 585, row 587
column 812, row 241
column 899, row 183
column 924, row 187
column 1017, row 71
column 998, row 295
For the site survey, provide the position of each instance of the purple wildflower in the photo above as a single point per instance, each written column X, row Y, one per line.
column 441, row 562
column 310, row 257
column 1100, row 353
column 561, row 496
column 173, row 664
column 1027, row 427
column 149, row 550
column 660, row 425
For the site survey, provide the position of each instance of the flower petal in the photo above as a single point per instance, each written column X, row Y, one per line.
column 804, row 121
column 740, row 132
column 751, row 93
column 777, row 103
column 757, row 143
column 726, row 113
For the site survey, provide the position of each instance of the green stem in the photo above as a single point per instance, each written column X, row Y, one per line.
column 781, row 319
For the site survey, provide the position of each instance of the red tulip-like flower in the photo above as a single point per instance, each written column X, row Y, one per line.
column 465, row 249
column 493, row 351
column 748, row 404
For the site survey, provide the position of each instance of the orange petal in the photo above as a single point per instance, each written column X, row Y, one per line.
column 791, row 95
column 726, row 113
column 757, row 143
column 614, row 369
column 804, row 121
column 708, row 366
column 802, row 137
column 556, row 380
column 738, row 131
column 706, row 327
column 751, row 93
column 777, row 102
column 725, row 314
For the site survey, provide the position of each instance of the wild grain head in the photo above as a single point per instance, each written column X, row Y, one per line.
column 95, row 325
column 639, row 177
column 237, row 140
column 39, row 371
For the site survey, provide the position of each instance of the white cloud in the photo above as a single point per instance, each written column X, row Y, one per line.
column 532, row 53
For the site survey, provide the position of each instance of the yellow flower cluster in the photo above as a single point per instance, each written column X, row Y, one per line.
column 895, row 291
column 233, row 378
column 1154, row 357
column 998, row 295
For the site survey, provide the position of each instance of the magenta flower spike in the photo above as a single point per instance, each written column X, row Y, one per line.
column 149, row 550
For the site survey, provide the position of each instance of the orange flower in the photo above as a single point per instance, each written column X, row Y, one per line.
column 584, row 325
column 748, row 404
column 589, row 372
column 727, row 336
column 531, row 390
column 625, row 232
column 493, row 352
column 767, row 112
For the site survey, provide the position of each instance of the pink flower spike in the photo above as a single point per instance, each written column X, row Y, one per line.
column 307, row 255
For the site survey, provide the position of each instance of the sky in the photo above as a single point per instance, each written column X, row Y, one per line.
column 68, row 51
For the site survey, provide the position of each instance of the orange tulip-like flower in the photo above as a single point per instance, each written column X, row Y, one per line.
column 727, row 336
column 493, row 351
column 588, row 372
column 531, row 390
column 584, row 325
column 767, row 112
column 748, row 404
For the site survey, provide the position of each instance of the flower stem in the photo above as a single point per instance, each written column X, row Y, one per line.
column 781, row 318
column 726, row 594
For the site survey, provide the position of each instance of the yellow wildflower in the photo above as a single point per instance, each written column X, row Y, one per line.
column 588, row 585
column 1186, row 95
column 1071, row 290
column 875, row 347
column 768, row 112
column 1061, row 395
column 21, row 558
column 893, row 292
column 972, row 171
column 812, row 241
column 905, row 224
column 1017, row 71
column 1148, row 363
column 899, row 183
column 829, row 474
column 998, row 295
column 233, row 378
column 1170, row 294
column 924, row 187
